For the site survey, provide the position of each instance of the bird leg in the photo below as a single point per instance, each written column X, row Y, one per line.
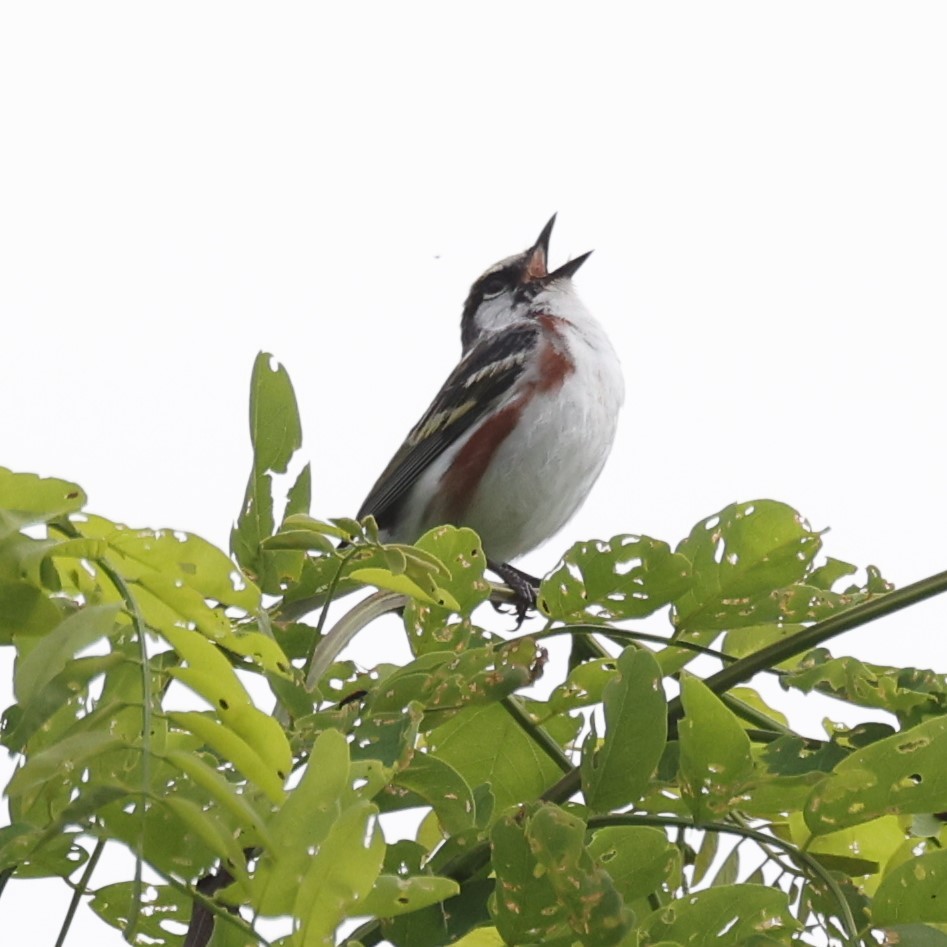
column 525, row 587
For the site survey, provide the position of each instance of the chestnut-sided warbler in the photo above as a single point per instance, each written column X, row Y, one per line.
column 520, row 430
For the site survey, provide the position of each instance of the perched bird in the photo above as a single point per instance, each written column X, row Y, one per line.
column 521, row 428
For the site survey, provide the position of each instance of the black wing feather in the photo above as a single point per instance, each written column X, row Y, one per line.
column 475, row 386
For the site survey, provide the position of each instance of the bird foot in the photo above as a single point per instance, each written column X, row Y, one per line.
column 525, row 587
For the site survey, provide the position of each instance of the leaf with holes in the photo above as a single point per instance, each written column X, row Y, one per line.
column 549, row 889
column 444, row 682
column 902, row 774
column 626, row 577
column 584, row 686
column 332, row 789
column 185, row 559
column 431, row 627
column 392, row 895
column 724, row 916
column 741, row 556
column 276, row 435
column 638, row 859
column 909, row 693
column 915, row 891
column 233, row 748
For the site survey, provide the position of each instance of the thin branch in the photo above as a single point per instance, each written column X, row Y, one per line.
column 537, row 733
column 635, row 636
column 132, row 605
column 79, row 891
column 744, row 669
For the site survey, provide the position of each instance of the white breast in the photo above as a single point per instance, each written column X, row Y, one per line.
column 544, row 469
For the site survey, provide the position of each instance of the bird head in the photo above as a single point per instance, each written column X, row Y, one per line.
column 505, row 292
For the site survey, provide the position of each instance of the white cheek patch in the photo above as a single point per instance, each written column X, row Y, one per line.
column 499, row 312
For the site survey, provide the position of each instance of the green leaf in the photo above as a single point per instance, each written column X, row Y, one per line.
column 162, row 908
column 915, row 891
column 440, row 785
column 793, row 756
column 305, row 821
column 224, row 793
column 444, row 924
column 638, row 859
column 625, row 577
column 739, row 557
column 486, row 745
column 549, row 889
column 436, row 628
column 716, row 760
column 68, row 756
column 36, row 854
column 584, row 686
column 262, row 649
column 211, row 675
column 184, row 559
column 392, row 895
column 25, row 610
column 275, row 430
column 54, row 651
column 22, row 721
column 389, row 737
column 299, row 497
column 915, row 935
column 751, row 638
column 235, row 749
column 27, row 499
column 341, row 875
column 909, row 693
column 276, row 435
column 444, row 683
column 635, row 734
column 206, row 825
column 902, row 774
column 394, row 582
column 719, row 917
column 208, row 672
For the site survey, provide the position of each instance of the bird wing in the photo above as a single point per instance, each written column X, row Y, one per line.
column 472, row 390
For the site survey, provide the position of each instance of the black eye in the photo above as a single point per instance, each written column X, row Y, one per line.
column 493, row 285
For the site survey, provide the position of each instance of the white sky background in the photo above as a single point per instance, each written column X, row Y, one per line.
column 764, row 185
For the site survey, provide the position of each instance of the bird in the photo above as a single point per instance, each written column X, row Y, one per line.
column 519, row 432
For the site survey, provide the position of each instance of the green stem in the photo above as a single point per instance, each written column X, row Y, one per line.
column 66, row 528
column 80, row 890
column 744, row 669
column 537, row 734
column 751, row 715
column 625, row 634
column 132, row 605
column 822, row 631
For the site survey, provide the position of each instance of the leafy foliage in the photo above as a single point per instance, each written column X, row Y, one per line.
column 642, row 800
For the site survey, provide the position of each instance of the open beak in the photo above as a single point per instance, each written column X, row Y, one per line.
column 536, row 266
column 567, row 270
